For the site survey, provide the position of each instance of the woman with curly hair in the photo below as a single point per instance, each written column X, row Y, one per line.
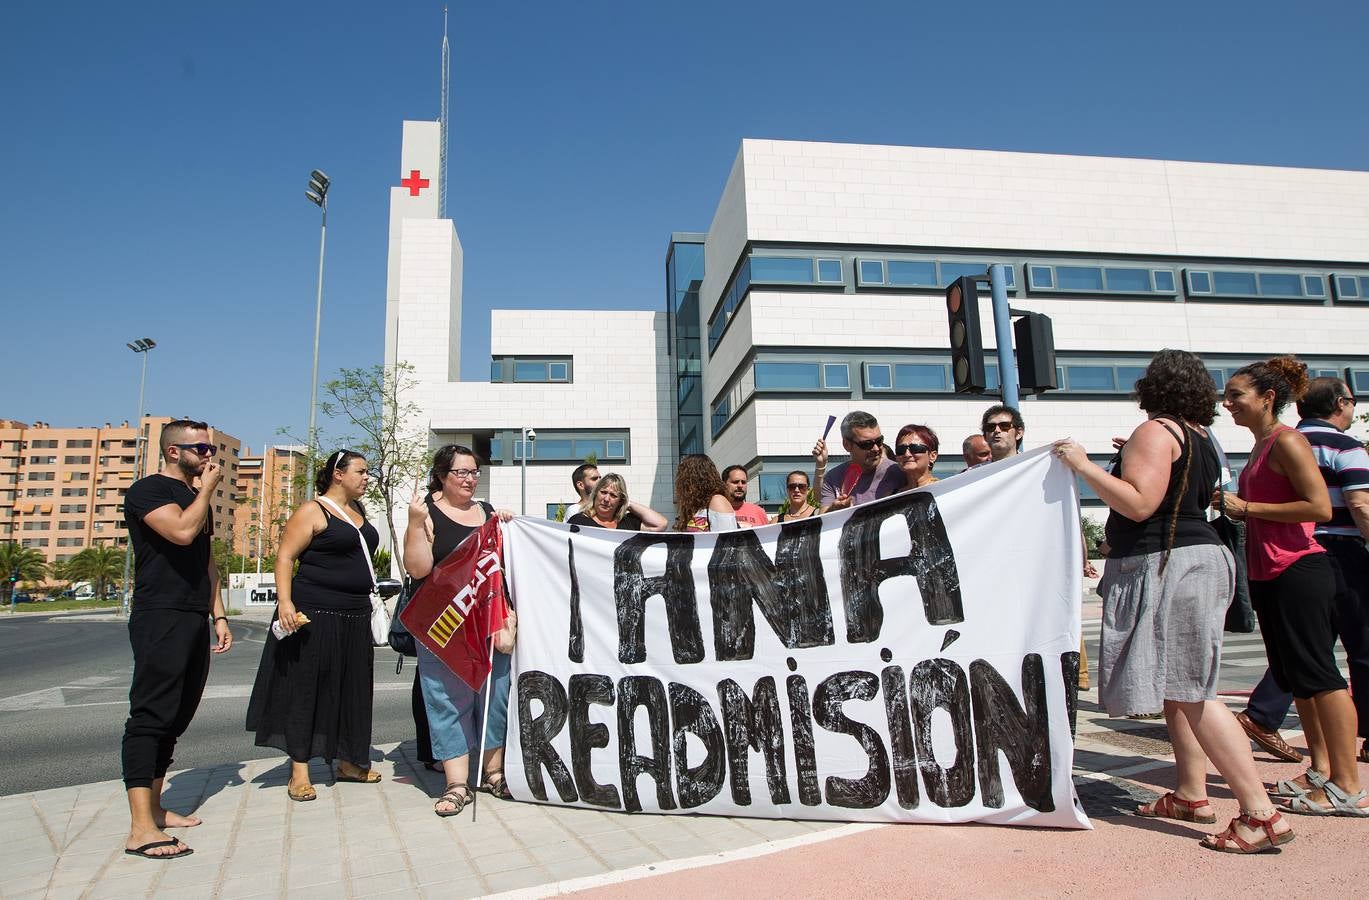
column 1292, row 584
column 1166, row 585
column 699, row 501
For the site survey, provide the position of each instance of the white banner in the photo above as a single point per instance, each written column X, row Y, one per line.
column 905, row 661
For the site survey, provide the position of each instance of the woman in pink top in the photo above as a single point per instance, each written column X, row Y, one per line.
column 1292, row 586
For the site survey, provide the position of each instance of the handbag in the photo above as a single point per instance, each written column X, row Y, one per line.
column 380, row 613
column 400, row 640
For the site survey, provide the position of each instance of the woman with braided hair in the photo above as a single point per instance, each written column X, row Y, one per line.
column 1166, row 585
column 1293, row 584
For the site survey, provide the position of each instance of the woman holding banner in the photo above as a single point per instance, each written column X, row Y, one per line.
column 440, row 518
column 1166, row 585
column 312, row 695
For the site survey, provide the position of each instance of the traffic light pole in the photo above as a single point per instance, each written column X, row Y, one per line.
column 1002, row 330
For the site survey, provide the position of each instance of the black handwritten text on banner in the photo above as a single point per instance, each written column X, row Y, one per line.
column 903, row 661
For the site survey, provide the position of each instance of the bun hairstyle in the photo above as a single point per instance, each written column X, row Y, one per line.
column 442, row 464
column 1284, row 375
column 337, row 461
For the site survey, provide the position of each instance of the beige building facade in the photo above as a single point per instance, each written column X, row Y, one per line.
column 62, row 489
column 269, row 487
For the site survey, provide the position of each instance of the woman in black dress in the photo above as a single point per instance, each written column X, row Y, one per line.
column 312, row 696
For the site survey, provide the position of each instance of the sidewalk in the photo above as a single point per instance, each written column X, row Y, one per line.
column 362, row 841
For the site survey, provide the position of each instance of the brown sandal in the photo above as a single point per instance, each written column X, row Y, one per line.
column 1231, row 842
column 303, row 795
column 498, row 788
column 458, row 795
column 1172, row 807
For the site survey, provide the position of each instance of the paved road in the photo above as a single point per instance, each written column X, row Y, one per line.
column 64, row 697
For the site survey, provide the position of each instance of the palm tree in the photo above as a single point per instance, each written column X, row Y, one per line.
column 28, row 563
column 100, row 564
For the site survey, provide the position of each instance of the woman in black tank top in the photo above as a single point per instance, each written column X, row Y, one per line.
column 1165, row 587
column 312, row 695
column 440, row 518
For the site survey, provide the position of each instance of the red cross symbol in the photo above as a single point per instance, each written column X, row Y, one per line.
column 414, row 183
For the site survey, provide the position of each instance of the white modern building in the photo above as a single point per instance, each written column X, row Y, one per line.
column 586, row 383
column 819, row 288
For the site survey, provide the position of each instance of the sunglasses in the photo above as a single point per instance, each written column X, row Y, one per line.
column 910, row 448
column 1351, row 400
column 797, row 487
column 998, row 426
column 871, row 444
column 199, row 449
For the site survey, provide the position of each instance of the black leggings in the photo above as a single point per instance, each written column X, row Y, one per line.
column 170, row 667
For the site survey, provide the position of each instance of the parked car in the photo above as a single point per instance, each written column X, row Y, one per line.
column 23, row 597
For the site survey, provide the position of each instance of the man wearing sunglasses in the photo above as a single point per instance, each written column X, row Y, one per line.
column 1003, row 428
column 868, row 474
column 176, row 590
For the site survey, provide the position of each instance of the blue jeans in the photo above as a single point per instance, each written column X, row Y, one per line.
column 454, row 709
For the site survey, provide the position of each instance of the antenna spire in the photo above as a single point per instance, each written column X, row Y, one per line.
column 442, row 119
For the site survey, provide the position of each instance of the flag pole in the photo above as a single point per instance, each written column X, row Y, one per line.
column 484, row 717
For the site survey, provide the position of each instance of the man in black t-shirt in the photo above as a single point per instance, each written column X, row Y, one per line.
column 175, row 588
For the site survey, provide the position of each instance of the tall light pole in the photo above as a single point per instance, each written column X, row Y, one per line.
column 318, row 195
column 143, row 346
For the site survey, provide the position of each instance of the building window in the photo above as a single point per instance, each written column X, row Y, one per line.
column 1352, row 287
column 879, row 377
column 1199, row 282
column 1041, row 278
column 911, row 273
column 871, row 271
column 533, row 371
column 615, row 449
column 829, row 272
column 836, row 376
column 1164, row 281
column 76, row 461
column 1240, row 283
column 1079, row 278
column 781, row 270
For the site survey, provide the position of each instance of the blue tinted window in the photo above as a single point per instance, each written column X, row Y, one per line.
column 715, row 331
column 772, row 488
column 950, row 271
column 1240, row 283
column 1042, row 277
column 1131, row 281
column 558, row 371
column 1346, row 286
column 920, row 377
column 1091, row 378
column 836, row 375
column 1127, row 375
column 1164, row 281
column 496, row 371
column 991, row 377
column 1218, row 378
column 871, row 271
column 615, row 449
column 1359, row 380
column 586, row 446
column 1313, row 286
column 878, row 376
column 553, row 448
column 529, row 371
column 1200, row 282
column 778, row 268
column 912, row 274
column 829, row 271
column 554, row 508
column 1364, row 285
column 783, row 376
column 1279, row 284
column 518, row 450
column 1079, row 278
column 496, row 449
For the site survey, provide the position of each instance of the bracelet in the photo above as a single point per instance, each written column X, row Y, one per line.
column 217, row 618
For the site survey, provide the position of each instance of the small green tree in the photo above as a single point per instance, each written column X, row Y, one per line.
column 381, row 561
column 101, row 565
column 29, row 563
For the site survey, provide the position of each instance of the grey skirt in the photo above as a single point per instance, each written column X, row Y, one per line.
column 1162, row 634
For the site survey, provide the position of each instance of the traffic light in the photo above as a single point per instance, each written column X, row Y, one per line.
column 967, row 350
column 14, row 575
column 1035, row 353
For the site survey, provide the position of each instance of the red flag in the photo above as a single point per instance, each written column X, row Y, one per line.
column 461, row 604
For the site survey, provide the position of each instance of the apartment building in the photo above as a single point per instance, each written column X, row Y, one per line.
column 61, row 489
column 269, row 486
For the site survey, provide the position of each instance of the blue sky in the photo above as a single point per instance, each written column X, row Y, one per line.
column 155, row 153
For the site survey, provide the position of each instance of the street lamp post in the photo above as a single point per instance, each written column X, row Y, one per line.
column 143, row 346
column 318, row 195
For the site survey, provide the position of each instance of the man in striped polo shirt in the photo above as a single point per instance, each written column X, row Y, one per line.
column 1327, row 410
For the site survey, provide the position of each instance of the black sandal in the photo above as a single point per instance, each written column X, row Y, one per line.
column 498, row 788
column 458, row 795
